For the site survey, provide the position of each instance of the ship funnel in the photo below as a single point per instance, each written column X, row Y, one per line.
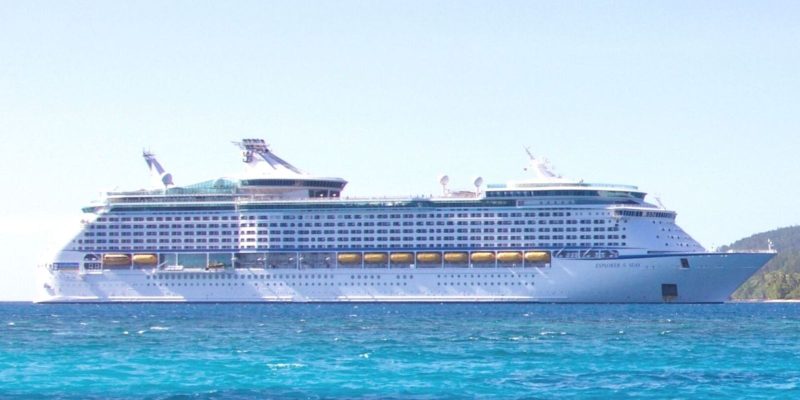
column 157, row 171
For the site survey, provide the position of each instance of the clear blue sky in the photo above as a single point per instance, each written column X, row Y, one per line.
column 696, row 101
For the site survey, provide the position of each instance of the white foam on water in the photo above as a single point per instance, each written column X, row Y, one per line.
column 159, row 328
column 285, row 366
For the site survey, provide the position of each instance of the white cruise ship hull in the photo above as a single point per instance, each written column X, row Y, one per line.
column 679, row 278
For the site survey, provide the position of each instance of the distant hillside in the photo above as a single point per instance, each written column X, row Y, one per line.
column 780, row 278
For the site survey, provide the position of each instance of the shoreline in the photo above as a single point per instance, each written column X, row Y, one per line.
column 737, row 301
column 765, row 301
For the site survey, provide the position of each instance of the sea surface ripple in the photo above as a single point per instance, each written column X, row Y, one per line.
column 398, row 351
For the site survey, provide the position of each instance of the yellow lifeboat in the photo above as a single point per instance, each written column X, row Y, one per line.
column 537, row 256
column 349, row 258
column 116, row 260
column 455, row 257
column 145, row 259
column 375, row 258
column 509, row 256
column 402, row 258
column 482, row 257
column 429, row 258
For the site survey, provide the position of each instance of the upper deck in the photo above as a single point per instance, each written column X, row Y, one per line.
column 271, row 182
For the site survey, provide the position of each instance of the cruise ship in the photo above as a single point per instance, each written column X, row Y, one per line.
column 276, row 233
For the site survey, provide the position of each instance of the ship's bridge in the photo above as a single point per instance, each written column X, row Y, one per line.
column 549, row 186
column 578, row 192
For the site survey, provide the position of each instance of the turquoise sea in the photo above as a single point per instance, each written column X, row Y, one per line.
column 378, row 351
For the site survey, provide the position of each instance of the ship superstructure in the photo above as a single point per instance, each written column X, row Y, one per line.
column 277, row 233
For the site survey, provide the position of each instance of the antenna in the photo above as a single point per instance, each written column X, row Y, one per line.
column 444, row 180
column 478, row 182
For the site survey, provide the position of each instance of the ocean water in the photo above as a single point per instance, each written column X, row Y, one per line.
column 377, row 351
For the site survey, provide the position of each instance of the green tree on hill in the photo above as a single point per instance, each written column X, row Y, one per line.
column 780, row 278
